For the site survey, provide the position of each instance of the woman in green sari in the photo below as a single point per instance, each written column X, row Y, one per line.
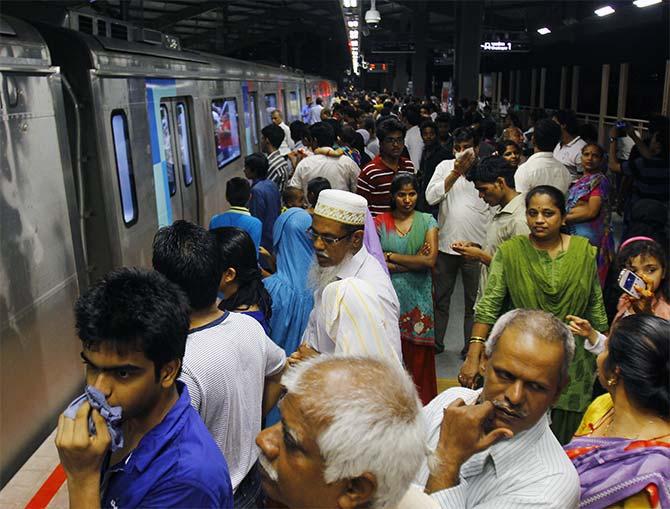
column 551, row 271
column 409, row 239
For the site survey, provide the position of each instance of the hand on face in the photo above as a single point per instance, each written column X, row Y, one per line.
column 463, row 433
column 465, row 160
column 80, row 453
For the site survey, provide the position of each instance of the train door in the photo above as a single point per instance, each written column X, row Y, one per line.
column 175, row 129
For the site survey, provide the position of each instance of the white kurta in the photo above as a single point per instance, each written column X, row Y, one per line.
column 326, row 325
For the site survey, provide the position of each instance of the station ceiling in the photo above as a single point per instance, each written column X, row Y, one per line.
column 311, row 34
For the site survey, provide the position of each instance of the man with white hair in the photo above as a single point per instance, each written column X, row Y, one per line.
column 337, row 234
column 493, row 447
column 342, row 445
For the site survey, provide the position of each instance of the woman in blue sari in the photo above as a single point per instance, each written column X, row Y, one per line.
column 292, row 299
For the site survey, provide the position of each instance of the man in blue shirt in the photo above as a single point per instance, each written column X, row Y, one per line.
column 306, row 112
column 238, row 193
column 265, row 202
column 133, row 326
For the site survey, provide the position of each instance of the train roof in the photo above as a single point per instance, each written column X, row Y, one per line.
column 22, row 46
column 20, row 43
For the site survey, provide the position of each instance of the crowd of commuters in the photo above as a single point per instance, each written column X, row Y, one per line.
column 286, row 355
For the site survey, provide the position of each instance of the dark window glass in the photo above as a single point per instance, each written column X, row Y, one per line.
column 226, row 131
column 124, row 167
column 167, row 149
column 270, row 106
column 183, row 132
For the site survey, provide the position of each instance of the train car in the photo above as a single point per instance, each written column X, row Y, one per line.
column 109, row 132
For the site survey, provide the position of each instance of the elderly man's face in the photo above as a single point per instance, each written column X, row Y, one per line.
column 292, row 467
column 522, row 376
column 332, row 241
column 276, row 118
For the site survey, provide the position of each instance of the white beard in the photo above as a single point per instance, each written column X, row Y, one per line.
column 320, row 277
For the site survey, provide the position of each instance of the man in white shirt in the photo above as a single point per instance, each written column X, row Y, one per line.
column 542, row 169
column 337, row 234
column 341, row 171
column 568, row 150
column 340, row 443
column 462, row 215
column 315, row 112
column 413, row 141
column 288, row 144
column 231, row 368
column 493, row 447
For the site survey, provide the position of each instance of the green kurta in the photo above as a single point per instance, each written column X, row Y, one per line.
column 567, row 285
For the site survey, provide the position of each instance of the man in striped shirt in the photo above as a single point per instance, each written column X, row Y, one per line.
column 493, row 447
column 374, row 181
column 271, row 139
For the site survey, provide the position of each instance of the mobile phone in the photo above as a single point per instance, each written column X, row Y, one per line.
column 628, row 280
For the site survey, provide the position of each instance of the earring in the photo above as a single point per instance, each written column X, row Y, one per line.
column 611, row 382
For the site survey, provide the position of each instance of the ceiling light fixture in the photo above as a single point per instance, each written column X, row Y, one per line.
column 646, row 3
column 543, row 31
column 604, row 11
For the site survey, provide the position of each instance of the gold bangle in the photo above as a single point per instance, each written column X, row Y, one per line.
column 476, row 340
column 478, row 337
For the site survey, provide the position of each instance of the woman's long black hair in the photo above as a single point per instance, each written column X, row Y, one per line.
column 239, row 252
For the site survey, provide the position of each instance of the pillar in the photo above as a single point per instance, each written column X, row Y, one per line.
column 575, row 88
column 510, row 93
column 401, row 78
column 623, row 90
column 564, row 85
column 517, row 87
column 499, row 87
column 468, row 39
column 543, row 85
column 420, row 27
column 604, row 89
column 533, row 88
column 665, row 109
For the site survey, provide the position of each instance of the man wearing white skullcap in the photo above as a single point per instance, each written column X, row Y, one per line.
column 337, row 234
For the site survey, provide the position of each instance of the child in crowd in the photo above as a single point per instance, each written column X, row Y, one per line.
column 292, row 197
column 314, row 188
column 647, row 259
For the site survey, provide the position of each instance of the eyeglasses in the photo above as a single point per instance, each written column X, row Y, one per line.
column 394, row 141
column 326, row 239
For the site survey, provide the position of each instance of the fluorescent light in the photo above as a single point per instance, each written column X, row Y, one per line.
column 353, row 23
column 353, row 34
column 604, row 11
column 346, row 3
column 646, row 3
column 543, row 31
column 354, row 44
column 353, row 3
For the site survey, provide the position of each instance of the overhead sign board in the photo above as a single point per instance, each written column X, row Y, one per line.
column 392, row 47
column 379, row 67
column 504, row 47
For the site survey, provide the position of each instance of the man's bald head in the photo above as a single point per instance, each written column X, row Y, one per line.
column 541, row 325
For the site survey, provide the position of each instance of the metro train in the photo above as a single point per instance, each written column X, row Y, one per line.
column 108, row 132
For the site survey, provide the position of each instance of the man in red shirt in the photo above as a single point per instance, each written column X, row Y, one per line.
column 374, row 181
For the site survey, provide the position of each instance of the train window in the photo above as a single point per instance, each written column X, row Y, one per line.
column 167, row 149
column 270, row 106
column 183, row 132
column 124, row 167
column 253, row 118
column 294, row 107
column 226, row 131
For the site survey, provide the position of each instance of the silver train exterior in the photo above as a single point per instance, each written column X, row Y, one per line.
column 102, row 141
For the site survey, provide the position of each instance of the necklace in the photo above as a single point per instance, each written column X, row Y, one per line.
column 402, row 233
